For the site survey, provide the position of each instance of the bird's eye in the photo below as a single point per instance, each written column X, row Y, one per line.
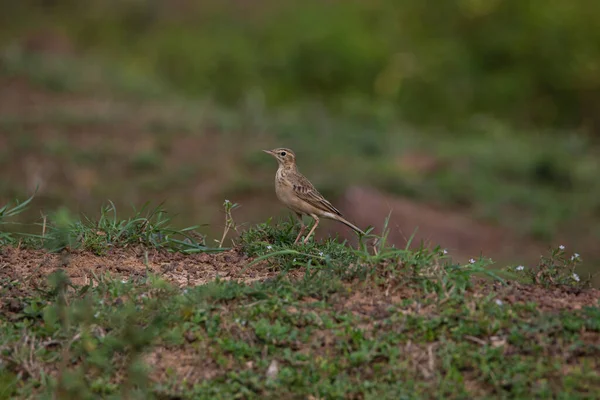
column 282, row 154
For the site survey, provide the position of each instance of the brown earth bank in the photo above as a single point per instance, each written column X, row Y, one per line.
column 463, row 236
column 31, row 267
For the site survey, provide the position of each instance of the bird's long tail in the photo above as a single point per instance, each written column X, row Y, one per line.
column 350, row 224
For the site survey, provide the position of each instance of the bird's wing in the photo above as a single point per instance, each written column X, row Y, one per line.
column 307, row 192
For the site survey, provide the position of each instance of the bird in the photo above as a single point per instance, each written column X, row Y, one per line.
column 295, row 191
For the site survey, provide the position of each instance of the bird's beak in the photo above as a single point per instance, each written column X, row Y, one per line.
column 268, row 152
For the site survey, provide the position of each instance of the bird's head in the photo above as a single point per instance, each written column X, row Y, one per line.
column 285, row 157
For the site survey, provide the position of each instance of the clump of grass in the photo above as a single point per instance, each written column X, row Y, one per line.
column 6, row 212
column 147, row 227
column 60, row 230
column 273, row 242
column 387, row 266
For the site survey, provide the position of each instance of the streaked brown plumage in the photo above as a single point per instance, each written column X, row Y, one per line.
column 299, row 195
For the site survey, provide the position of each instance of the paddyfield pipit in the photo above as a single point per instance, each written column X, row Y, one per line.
column 300, row 196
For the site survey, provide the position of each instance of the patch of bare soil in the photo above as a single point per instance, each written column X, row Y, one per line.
column 374, row 303
column 189, row 364
column 547, row 299
column 31, row 267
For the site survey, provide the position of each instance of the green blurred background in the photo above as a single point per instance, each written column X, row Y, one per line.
column 485, row 111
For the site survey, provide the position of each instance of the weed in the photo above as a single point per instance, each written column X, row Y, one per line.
column 229, row 223
column 554, row 270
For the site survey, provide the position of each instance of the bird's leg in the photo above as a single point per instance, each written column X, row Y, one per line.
column 302, row 227
column 313, row 228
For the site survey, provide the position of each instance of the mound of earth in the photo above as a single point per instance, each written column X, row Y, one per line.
column 30, row 268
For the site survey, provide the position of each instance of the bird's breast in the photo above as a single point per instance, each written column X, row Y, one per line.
column 284, row 190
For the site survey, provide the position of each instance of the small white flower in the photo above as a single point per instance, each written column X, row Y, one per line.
column 472, row 261
column 499, row 302
column 269, row 247
column 561, row 247
column 576, row 277
column 520, row 268
column 124, row 281
column 227, row 201
column 575, row 257
column 294, row 260
column 185, row 291
column 101, row 301
column 321, row 253
column 445, row 251
column 97, row 314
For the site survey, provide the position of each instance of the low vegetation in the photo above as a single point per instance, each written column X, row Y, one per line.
column 329, row 321
column 484, row 109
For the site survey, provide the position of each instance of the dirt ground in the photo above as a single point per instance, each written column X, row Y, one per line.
column 368, row 303
column 179, row 269
column 31, row 267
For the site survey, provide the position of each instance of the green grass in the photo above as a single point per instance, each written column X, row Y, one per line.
column 60, row 231
column 331, row 322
